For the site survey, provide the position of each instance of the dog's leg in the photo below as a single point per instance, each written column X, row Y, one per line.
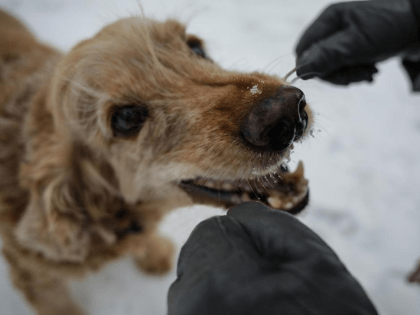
column 47, row 294
column 157, row 258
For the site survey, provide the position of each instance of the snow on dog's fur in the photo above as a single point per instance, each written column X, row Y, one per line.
column 98, row 144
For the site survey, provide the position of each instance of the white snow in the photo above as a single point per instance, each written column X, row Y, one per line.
column 363, row 167
column 255, row 90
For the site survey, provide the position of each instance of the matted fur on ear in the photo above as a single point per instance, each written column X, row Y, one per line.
column 44, row 228
column 53, row 222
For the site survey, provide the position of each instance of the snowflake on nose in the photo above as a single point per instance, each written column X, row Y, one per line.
column 255, row 90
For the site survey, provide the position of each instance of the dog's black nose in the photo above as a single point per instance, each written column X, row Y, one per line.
column 277, row 121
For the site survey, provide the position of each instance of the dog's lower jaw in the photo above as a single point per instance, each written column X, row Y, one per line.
column 282, row 190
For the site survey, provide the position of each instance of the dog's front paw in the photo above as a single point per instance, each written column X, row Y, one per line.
column 158, row 257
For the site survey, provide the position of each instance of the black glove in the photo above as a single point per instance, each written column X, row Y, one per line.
column 260, row 261
column 347, row 40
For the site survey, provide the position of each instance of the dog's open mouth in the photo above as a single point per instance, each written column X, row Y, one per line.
column 281, row 190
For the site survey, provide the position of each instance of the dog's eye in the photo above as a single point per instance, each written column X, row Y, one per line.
column 197, row 48
column 126, row 121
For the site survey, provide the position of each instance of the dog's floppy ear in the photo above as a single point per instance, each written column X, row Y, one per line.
column 49, row 227
column 54, row 221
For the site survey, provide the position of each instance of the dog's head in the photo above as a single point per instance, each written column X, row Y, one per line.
column 140, row 118
column 146, row 97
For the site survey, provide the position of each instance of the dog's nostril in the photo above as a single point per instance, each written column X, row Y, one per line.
column 281, row 135
column 302, row 103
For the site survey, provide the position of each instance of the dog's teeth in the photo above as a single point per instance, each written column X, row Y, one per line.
column 304, row 192
column 210, row 184
column 245, row 197
column 247, row 188
column 200, row 182
column 236, row 199
column 299, row 170
column 288, row 206
column 298, row 199
column 227, row 186
column 275, row 202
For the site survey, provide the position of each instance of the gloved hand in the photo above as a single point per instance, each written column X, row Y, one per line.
column 347, row 40
column 260, row 261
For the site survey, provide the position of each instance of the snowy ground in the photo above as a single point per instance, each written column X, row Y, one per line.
column 363, row 163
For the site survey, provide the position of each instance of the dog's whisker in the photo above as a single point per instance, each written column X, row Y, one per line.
column 289, row 74
column 275, row 61
column 239, row 185
column 266, row 179
column 278, row 174
column 276, row 64
column 253, row 189
column 262, row 184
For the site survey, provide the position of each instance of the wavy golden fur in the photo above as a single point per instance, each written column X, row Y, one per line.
column 73, row 196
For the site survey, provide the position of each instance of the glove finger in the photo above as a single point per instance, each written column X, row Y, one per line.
column 302, row 265
column 348, row 75
column 217, row 255
column 216, row 240
column 329, row 22
column 279, row 235
column 331, row 54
